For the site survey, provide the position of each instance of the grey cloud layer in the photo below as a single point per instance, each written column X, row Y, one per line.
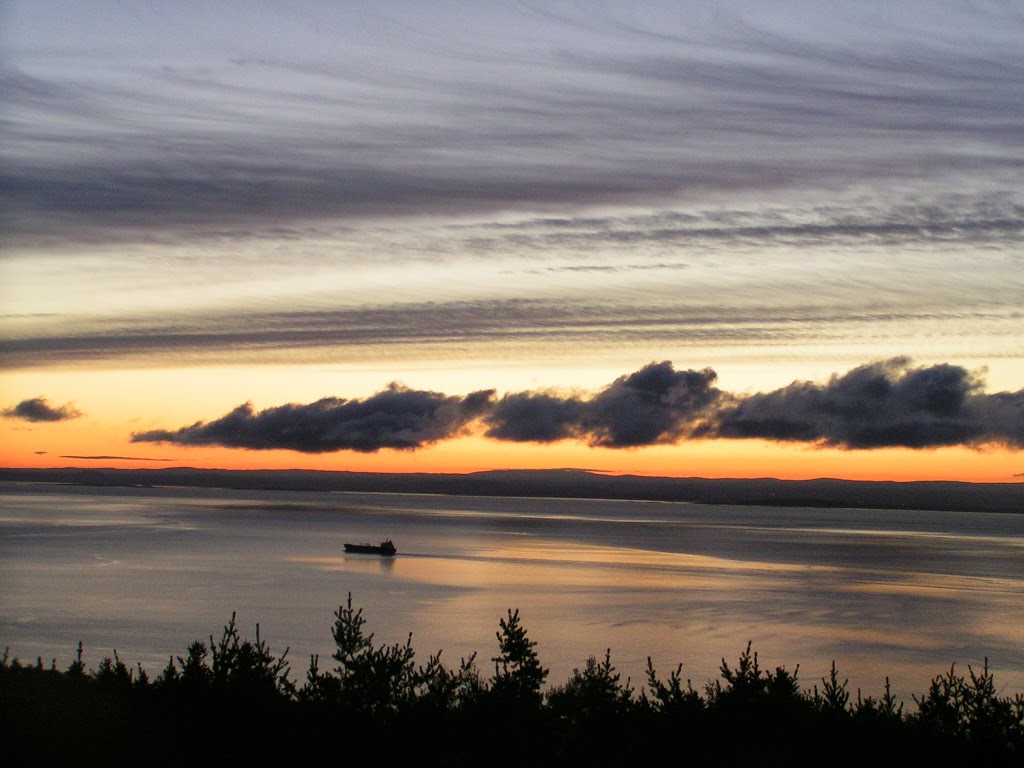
column 38, row 409
column 845, row 283
column 383, row 112
column 883, row 404
column 449, row 329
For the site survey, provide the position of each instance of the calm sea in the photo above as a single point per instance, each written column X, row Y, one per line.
column 883, row 592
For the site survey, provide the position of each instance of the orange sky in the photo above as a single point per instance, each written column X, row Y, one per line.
column 115, row 403
column 703, row 458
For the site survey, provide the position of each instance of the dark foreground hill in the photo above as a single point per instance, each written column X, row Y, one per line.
column 568, row 483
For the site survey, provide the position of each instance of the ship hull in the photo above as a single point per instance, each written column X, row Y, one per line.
column 386, row 549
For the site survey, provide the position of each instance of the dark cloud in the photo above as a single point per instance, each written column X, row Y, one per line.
column 881, row 404
column 38, row 409
column 539, row 417
column 397, row 418
column 656, row 404
column 1002, row 413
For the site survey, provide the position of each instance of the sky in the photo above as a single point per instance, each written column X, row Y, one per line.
column 693, row 238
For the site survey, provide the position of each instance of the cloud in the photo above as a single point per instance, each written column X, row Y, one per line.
column 37, row 409
column 538, row 417
column 112, row 458
column 397, row 418
column 596, row 106
column 881, row 404
column 580, row 285
column 656, row 404
column 602, row 323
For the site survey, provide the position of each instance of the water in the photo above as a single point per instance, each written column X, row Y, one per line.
column 883, row 592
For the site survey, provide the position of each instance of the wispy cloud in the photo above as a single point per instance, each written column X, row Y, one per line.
column 602, row 177
column 513, row 108
column 38, row 409
column 883, row 404
column 656, row 277
column 114, row 458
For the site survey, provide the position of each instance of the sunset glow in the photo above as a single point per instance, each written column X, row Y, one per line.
column 683, row 240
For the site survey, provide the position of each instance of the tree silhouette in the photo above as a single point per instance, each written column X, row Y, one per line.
column 378, row 705
column 518, row 674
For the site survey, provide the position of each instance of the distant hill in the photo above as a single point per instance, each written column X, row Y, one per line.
column 567, row 483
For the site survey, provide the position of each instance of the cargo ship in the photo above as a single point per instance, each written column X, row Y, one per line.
column 385, row 548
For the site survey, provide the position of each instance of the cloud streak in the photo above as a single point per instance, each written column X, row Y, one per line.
column 650, row 170
column 594, row 106
column 38, row 409
column 882, row 404
column 115, row 458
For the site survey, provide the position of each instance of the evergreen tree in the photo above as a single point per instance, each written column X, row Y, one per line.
column 518, row 674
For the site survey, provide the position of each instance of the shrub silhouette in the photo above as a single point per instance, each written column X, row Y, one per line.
column 77, row 668
column 885, row 709
column 113, row 673
column 246, row 669
column 747, row 685
column 670, row 697
column 385, row 680
column 971, row 708
column 439, row 689
column 595, row 693
column 373, row 680
column 834, row 697
column 194, row 677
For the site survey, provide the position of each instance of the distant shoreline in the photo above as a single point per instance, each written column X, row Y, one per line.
column 565, row 483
